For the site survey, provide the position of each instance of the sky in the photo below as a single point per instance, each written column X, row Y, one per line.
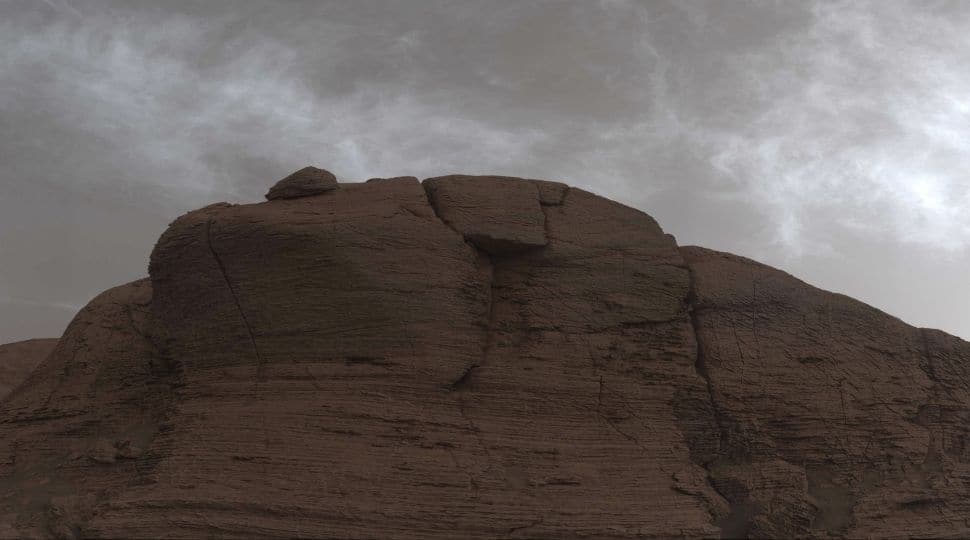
column 827, row 139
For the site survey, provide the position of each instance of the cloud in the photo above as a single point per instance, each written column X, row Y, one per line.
column 793, row 132
column 153, row 116
column 861, row 127
column 62, row 306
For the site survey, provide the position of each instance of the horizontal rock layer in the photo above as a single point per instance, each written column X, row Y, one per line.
column 479, row 357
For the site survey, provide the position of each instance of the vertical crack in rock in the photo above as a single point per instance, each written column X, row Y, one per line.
column 565, row 195
column 477, row 433
column 431, row 202
column 235, row 299
column 544, row 208
column 489, row 313
column 462, row 382
column 471, row 478
column 611, row 422
column 465, row 376
column 928, row 368
column 700, row 363
column 545, row 222
column 935, row 399
column 700, row 366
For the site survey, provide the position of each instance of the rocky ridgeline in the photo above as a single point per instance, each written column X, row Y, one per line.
column 478, row 357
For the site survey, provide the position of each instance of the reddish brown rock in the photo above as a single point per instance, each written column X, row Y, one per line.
column 18, row 359
column 497, row 214
column 305, row 182
column 101, row 390
column 364, row 365
column 834, row 418
column 392, row 179
column 551, row 193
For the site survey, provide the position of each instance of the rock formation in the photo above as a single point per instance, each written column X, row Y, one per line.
column 305, row 182
column 17, row 360
column 479, row 357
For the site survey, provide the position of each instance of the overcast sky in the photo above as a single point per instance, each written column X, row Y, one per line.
column 829, row 139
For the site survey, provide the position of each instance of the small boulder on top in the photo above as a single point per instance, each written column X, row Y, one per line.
column 303, row 183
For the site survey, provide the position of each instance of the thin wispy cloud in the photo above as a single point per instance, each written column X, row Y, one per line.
column 62, row 306
column 159, row 119
column 826, row 138
column 862, row 121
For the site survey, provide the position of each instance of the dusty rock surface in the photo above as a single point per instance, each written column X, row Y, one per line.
column 305, row 182
column 479, row 357
column 499, row 215
column 834, row 418
column 18, row 359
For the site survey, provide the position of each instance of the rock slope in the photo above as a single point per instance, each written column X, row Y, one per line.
column 479, row 357
column 17, row 360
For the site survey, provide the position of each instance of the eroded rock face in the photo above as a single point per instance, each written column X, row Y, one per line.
column 835, row 418
column 17, row 360
column 305, row 182
column 499, row 215
column 479, row 357
column 77, row 432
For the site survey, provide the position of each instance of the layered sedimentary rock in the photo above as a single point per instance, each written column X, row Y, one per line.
column 479, row 357
column 833, row 416
column 18, row 359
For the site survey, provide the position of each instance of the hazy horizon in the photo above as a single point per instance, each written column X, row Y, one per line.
column 828, row 139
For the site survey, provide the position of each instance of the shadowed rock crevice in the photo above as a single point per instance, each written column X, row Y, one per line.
column 484, row 247
column 464, row 379
column 735, row 524
column 546, row 199
column 700, row 364
column 490, row 311
column 432, row 202
column 551, row 193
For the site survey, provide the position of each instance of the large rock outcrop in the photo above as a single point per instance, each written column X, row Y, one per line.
column 833, row 416
column 479, row 357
